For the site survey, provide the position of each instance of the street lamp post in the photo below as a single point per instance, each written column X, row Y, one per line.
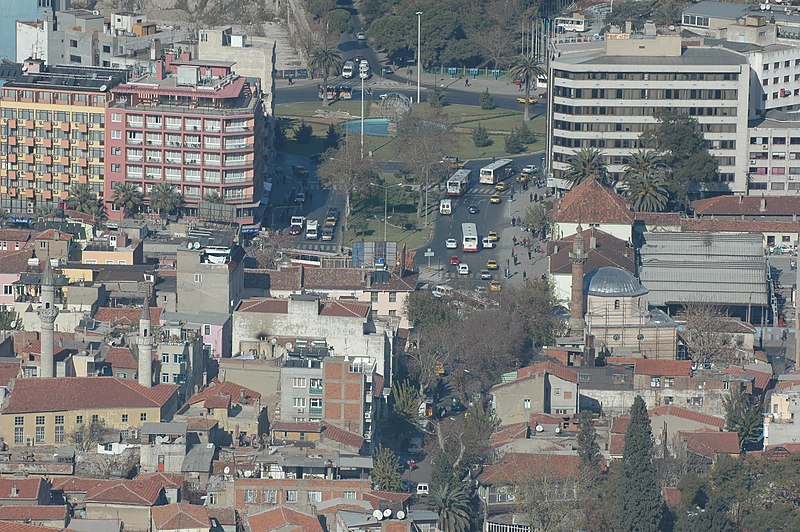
column 419, row 52
column 427, row 168
column 361, row 75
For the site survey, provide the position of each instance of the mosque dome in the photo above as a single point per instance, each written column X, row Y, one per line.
column 610, row 281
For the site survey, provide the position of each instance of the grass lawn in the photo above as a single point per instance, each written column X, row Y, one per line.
column 309, row 109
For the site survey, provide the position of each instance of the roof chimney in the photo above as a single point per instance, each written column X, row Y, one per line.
column 741, row 199
column 159, row 69
column 763, row 205
column 592, row 242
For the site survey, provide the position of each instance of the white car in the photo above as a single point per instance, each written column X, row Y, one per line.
column 451, row 243
column 528, row 170
column 487, row 243
column 463, row 269
column 361, row 36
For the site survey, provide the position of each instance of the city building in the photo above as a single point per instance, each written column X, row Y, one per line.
column 774, row 153
column 195, row 125
column 209, row 278
column 52, row 134
column 591, row 205
column 772, row 209
column 546, row 387
column 14, row 10
column 605, row 94
column 132, row 501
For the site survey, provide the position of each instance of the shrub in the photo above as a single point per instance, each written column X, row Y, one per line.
column 514, row 144
column 487, row 101
column 303, row 133
column 525, row 135
column 481, row 137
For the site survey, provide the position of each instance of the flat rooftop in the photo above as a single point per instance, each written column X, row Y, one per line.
column 64, row 77
column 593, row 53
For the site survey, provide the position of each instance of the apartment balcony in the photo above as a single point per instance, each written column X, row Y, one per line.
column 237, row 162
column 134, row 141
column 134, row 158
column 154, row 125
column 315, row 391
column 170, row 160
column 135, row 125
column 154, row 159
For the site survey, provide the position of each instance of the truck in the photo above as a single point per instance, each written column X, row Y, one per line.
column 312, row 230
column 327, row 232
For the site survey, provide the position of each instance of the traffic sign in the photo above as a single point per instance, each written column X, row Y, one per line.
column 428, row 253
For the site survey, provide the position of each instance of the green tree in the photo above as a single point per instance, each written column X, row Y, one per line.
column 212, row 197
column 701, row 508
column 442, row 472
column 588, row 449
column 487, row 100
column 639, row 502
column 326, row 59
column 4, row 217
column 525, row 134
column 586, row 163
column 165, row 199
column 82, row 199
column 451, row 503
column 391, row 32
column 319, row 8
column 127, row 197
column 480, row 137
column 436, row 98
column 348, row 173
column 280, row 134
column 743, row 418
column 537, row 218
column 339, row 21
column 684, row 152
column 513, row 144
column 386, row 470
column 332, row 137
column 533, row 305
column 427, row 311
column 9, row 320
column 526, row 69
column 303, row 133
column 405, row 402
column 646, row 182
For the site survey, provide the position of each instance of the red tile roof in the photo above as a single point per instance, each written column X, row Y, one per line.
column 672, row 496
column 748, row 206
column 121, row 358
column 677, row 411
column 620, row 424
column 283, row 519
column 167, row 480
column 376, row 497
column 37, row 512
column 672, row 219
column 9, row 370
column 231, row 389
column 738, row 226
column 128, row 492
column 179, row 516
column 345, row 309
column 126, row 315
column 296, row 426
column 652, row 366
column 590, row 202
column 76, row 484
column 377, row 385
column 761, row 379
column 15, row 235
column 507, row 433
column 27, row 489
column 264, row 306
column 608, row 251
column 562, row 372
column 53, row 234
column 617, row 445
column 20, row 527
column 16, row 261
column 342, row 436
column 217, row 401
column 711, row 443
column 79, row 393
column 518, row 466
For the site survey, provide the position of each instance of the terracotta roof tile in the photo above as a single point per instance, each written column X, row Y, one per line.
column 53, row 234
column 562, row 372
column 167, row 480
column 608, row 251
column 620, row 424
column 265, row 306
column 128, row 492
column 20, row 527
column 377, row 385
column 200, row 424
column 671, row 219
column 507, row 433
column 296, row 426
column 284, row 279
column 677, row 411
column 590, row 202
column 15, row 235
column 334, row 278
column 121, row 358
column 761, row 379
column 216, row 388
column 38, row 512
column 517, row 466
column 16, row 261
column 652, row 366
column 9, row 370
column 617, row 445
column 27, row 489
column 672, row 496
column 711, row 443
column 179, row 516
column 342, row 436
column 283, row 519
column 126, row 315
column 78, row 393
column 738, row 226
column 376, row 497
column 748, row 206
column 76, row 484
column 345, row 309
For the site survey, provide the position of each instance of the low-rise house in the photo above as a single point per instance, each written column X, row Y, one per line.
column 172, row 483
column 302, row 492
column 592, row 205
column 45, row 462
column 24, row 492
column 701, row 449
column 53, row 244
column 130, row 500
column 543, row 387
column 113, row 249
column 56, row 516
column 12, row 240
column 182, row 517
column 163, row 447
column 12, row 265
column 668, row 421
column 284, row 520
column 774, row 208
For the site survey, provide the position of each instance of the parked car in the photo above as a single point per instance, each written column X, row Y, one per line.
column 361, row 36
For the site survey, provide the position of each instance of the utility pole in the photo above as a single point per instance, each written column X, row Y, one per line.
column 419, row 53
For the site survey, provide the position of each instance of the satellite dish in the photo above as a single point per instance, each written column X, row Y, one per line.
column 226, row 470
column 387, row 512
column 189, row 245
column 13, row 324
column 103, row 88
column 288, row 346
column 558, row 430
column 761, row 7
column 377, row 514
column 248, row 474
column 401, row 514
column 196, row 245
column 539, row 428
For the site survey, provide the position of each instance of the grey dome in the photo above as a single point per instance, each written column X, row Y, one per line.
column 610, row 281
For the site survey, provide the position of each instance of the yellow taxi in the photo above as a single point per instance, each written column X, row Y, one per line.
column 493, row 236
column 500, row 186
column 492, row 265
column 495, row 199
column 495, row 286
column 521, row 99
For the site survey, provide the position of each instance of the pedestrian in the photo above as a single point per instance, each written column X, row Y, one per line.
column 291, row 81
column 530, row 255
column 524, row 274
column 513, row 222
column 536, row 197
column 466, row 82
column 514, row 240
column 531, row 197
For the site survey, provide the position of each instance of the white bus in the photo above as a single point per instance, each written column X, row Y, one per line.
column 458, row 182
column 577, row 22
column 497, row 171
column 469, row 240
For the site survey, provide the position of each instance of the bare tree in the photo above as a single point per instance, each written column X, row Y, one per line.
column 346, row 171
column 547, row 495
column 267, row 250
column 88, row 435
column 497, row 44
column 422, row 144
column 708, row 334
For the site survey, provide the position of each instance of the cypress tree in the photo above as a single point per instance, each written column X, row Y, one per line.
column 588, row 449
column 639, row 502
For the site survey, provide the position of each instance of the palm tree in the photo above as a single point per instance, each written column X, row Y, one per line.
column 646, row 181
column 127, row 197
column 82, row 199
column 165, row 199
column 584, row 164
column 451, row 502
column 4, row 217
column 527, row 69
column 327, row 59
column 212, row 196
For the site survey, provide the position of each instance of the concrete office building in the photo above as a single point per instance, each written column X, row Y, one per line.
column 52, row 133
column 196, row 125
column 774, row 154
column 605, row 94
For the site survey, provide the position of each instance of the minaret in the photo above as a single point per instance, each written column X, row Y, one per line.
column 47, row 317
column 578, row 260
column 145, row 345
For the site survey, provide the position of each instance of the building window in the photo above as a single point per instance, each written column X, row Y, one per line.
column 8, row 290
column 374, row 297
column 299, row 382
column 291, row 495
column 40, row 420
column 143, row 416
column 79, row 419
column 270, row 496
column 124, row 418
column 561, row 410
column 42, row 245
column 696, row 401
column 73, row 43
column 315, row 384
column 165, row 358
column 39, row 434
column 122, row 374
column 198, row 277
column 177, row 358
column 669, row 400
column 74, row 58
column 558, row 391
column 526, row 404
column 250, row 496
column 95, row 418
column 177, row 378
column 59, row 420
column 19, row 435
column 655, row 382
column 206, row 330
column 314, row 496
column 350, row 495
column 315, row 402
column 616, row 304
column 19, row 421
column 299, row 402
column 392, row 313
column 59, row 435
column 116, row 134
column 726, row 385
column 392, row 297
column 165, row 378
column 669, row 382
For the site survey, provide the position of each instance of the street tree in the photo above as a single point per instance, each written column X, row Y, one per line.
column 527, row 69
column 82, row 199
column 303, row 133
column 339, row 21
column 480, row 137
column 165, row 199
column 391, row 32
column 497, row 44
column 744, row 418
column 537, row 218
column 638, row 502
column 406, row 400
column 533, row 305
column 268, row 250
column 212, row 196
column 386, row 470
column 422, row 144
column 464, row 440
column 707, row 334
column 646, row 182
column 88, row 435
column 348, row 173
column 586, row 163
column 547, row 495
column 127, row 197
column 451, row 503
column 332, row 137
column 427, row 311
column 327, row 60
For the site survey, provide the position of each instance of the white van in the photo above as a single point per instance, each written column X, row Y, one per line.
column 423, row 489
column 441, row 290
column 446, row 206
column 364, row 70
column 348, row 70
column 312, row 230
